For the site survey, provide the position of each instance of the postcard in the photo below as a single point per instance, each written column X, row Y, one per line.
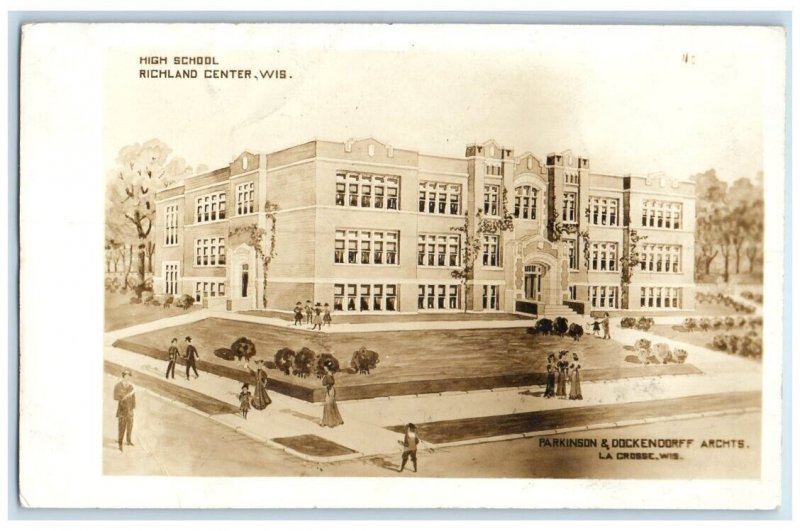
column 383, row 266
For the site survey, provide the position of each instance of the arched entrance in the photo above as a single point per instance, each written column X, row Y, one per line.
column 534, row 276
column 241, row 275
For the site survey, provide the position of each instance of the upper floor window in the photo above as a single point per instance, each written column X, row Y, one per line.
column 366, row 190
column 660, row 297
column 209, row 251
column 604, row 211
column 210, row 207
column 569, row 211
column 439, row 198
column 660, row 258
column 494, row 168
column 438, row 297
column 603, row 256
column 661, row 214
column 171, row 225
column 354, row 246
column 572, row 178
column 439, row 250
column 604, row 296
column 491, row 196
column 525, row 202
column 244, row 198
column 491, row 250
column 572, row 253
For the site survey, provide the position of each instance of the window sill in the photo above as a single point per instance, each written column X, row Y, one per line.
column 365, row 265
column 198, row 223
column 439, row 215
column 361, row 208
column 210, row 266
column 444, row 267
column 172, row 245
column 659, row 272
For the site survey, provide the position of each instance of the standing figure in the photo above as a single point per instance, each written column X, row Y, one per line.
column 298, row 314
column 595, row 328
column 575, row 378
column 244, row 400
column 172, row 355
column 125, row 395
column 330, row 411
column 550, row 390
column 317, row 317
column 261, row 398
column 410, row 443
column 309, row 312
column 606, row 334
column 191, row 357
column 563, row 367
column 326, row 317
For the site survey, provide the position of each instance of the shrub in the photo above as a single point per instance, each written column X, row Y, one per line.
column 732, row 343
column 730, row 322
column 135, row 300
column 575, row 331
column 243, row 348
column 224, row 353
column 719, row 342
column 147, row 296
column 169, row 300
column 628, row 322
column 755, row 322
column 284, row 360
column 186, row 301
column 644, row 323
column 662, row 352
column 326, row 360
column 704, row 323
column 679, row 355
column 690, row 324
column 716, row 323
column 747, row 295
column 741, row 322
column 759, row 298
column 560, row 326
column 642, row 348
column 303, row 362
column 544, row 326
column 364, row 360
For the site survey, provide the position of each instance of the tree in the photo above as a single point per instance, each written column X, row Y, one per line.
column 142, row 171
column 263, row 242
column 470, row 248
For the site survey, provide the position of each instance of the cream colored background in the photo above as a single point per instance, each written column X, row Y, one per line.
column 69, row 139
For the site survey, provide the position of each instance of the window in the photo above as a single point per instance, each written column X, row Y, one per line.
column 661, row 214
column 494, row 168
column 491, row 300
column 572, row 253
column 660, row 258
column 354, row 246
column 572, row 178
column 604, row 296
column 209, row 251
column 439, row 198
column 171, row 225
column 570, row 207
column 244, row 198
column 573, row 293
column 367, row 190
column 604, row 211
column 210, row 207
column 660, row 297
column 491, row 195
column 438, row 297
column 171, row 278
column 603, row 256
column 525, row 202
column 208, row 289
column 365, row 297
column 491, row 250
column 439, row 250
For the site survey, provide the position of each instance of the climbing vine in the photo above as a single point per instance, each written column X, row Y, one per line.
column 629, row 262
column 558, row 228
column 584, row 236
column 263, row 245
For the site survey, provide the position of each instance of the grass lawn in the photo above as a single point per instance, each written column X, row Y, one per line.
column 409, row 318
column 697, row 337
column 410, row 362
column 120, row 313
column 706, row 309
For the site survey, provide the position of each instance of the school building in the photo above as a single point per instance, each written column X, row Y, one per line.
column 370, row 228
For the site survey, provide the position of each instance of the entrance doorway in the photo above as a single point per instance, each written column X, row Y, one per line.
column 533, row 282
column 245, row 279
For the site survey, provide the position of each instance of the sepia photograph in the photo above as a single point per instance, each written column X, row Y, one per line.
column 432, row 252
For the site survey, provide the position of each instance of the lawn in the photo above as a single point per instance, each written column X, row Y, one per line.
column 410, row 362
column 697, row 337
column 120, row 313
column 706, row 309
column 400, row 318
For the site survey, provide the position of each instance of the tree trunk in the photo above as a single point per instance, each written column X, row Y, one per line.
column 727, row 261
column 738, row 254
column 141, row 268
column 151, row 248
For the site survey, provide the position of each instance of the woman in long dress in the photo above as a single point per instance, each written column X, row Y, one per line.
column 550, row 390
column 260, row 398
column 561, row 382
column 575, row 378
column 330, row 411
column 317, row 317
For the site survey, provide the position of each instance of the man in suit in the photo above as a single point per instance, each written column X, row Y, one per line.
column 172, row 355
column 191, row 358
column 125, row 395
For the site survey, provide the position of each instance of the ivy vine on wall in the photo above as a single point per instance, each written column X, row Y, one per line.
column 264, row 245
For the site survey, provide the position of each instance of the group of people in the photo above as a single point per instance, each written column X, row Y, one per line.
column 188, row 353
column 315, row 315
column 559, row 372
column 604, row 322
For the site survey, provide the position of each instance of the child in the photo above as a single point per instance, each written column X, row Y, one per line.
column 326, row 318
column 410, row 443
column 298, row 314
column 595, row 328
column 244, row 400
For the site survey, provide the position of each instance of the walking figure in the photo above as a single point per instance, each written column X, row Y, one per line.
column 595, row 328
column 298, row 314
column 563, row 367
column 317, row 317
column 191, row 357
column 550, row 390
column 172, row 355
column 244, row 400
column 125, row 395
column 606, row 333
column 410, row 443
column 330, row 411
column 309, row 312
column 575, row 378
column 326, row 318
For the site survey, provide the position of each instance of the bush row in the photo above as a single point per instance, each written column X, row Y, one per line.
column 658, row 353
column 721, row 298
column 717, row 323
column 755, row 297
column 642, row 323
column 749, row 346
column 560, row 326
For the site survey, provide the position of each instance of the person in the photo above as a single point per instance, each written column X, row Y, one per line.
column 595, row 327
column 606, row 333
column 172, row 356
column 326, row 317
column 191, row 357
column 244, row 400
column 298, row 314
column 410, row 443
column 125, row 395
column 575, row 378
column 309, row 312
column 330, row 411
column 550, row 389
column 260, row 399
column 561, row 383
column 317, row 317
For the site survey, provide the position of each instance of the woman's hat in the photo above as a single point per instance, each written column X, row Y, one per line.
column 126, row 372
column 188, row 338
column 245, row 386
column 318, row 304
